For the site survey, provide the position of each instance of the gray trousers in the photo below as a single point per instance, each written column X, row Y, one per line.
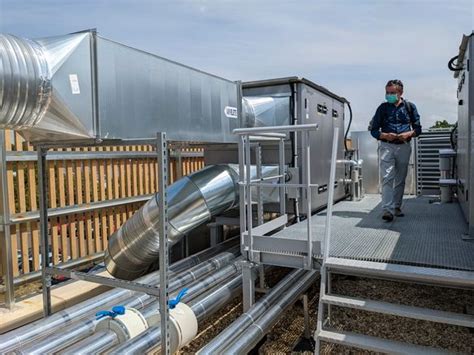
column 394, row 159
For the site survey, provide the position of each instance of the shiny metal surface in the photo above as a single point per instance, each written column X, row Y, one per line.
column 259, row 111
column 203, row 307
column 367, row 148
column 239, row 326
column 150, row 311
column 252, row 334
column 78, row 313
column 192, row 201
column 26, row 86
column 82, row 86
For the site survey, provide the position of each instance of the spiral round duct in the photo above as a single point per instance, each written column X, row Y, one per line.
column 192, row 201
column 25, row 86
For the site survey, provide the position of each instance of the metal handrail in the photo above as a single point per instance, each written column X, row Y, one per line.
column 276, row 129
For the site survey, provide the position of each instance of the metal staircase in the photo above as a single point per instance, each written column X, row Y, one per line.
column 382, row 270
column 422, row 275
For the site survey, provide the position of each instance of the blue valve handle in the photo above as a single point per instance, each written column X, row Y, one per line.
column 116, row 310
column 174, row 302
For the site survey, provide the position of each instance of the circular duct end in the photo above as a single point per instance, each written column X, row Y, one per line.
column 25, row 85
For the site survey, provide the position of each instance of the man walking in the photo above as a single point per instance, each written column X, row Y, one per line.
column 395, row 123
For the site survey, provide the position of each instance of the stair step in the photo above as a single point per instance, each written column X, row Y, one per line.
column 375, row 344
column 454, row 278
column 463, row 320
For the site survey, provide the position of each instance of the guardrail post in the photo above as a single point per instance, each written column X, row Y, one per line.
column 5, row 237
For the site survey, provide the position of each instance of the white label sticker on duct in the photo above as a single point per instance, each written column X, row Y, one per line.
column 230, row 112
column 74, row 81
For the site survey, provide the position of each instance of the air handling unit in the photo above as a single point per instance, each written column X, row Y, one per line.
column 294, row 101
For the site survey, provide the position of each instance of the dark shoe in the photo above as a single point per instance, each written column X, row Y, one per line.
column 387, row 216
column 398, row 212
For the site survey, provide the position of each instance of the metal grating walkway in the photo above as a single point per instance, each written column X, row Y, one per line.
column 428, row 235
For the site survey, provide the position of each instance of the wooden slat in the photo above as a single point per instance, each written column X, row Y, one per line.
column 70, row 200
column 95, row 198
column 65, row 250
column 87, row 198
column 11, row 204
column 24, row 239
column 79, row 201
column 35, row 245
column 53, row 221
column 110, row 195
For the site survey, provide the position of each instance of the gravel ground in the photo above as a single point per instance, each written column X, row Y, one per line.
column 288, row 330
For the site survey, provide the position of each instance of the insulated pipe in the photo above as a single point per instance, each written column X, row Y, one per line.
column 246, row 319
column 202, row 307
column 81, row 329
column 150, row 312
column 252, row 335
column 41, row 328
column 192, row 201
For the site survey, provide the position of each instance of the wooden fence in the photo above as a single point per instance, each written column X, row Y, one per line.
column 92, row 191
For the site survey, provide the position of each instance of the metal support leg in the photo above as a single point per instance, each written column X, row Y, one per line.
column 281, row 171
column 261, row 277
column 44, row 230
column 329, row 286
column 248, row 285
column 5, row 237
column 307, row 331
column 162, row 151
column 258, row 161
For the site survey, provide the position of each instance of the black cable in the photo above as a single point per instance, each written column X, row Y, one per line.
column 451, row 136
column 452, row 66
column 348, row 125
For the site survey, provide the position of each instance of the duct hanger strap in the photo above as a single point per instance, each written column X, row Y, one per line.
column 25, row 83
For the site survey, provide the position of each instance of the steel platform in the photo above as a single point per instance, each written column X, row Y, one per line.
column 429, row 235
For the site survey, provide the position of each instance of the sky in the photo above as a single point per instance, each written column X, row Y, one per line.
column 352, row 47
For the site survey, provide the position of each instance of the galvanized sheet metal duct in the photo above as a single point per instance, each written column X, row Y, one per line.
column 81, row 86
column 192, row 201
column 261, row 111
column 25, row 89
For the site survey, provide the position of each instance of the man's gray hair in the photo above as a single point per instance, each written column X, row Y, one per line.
column 395, row 82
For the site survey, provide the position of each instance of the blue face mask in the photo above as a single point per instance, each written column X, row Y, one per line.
column 391, row 98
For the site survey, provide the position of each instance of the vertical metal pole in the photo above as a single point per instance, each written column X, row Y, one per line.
column 44, row 230
column 162, row 151
column 242, row 191
column 307, row 193
column 258, row 162
column 307, row 333
column 5, row 237
column 248, row 285
column 248, row 196
column 281, row 168
column 332, row 179
column 326, row 240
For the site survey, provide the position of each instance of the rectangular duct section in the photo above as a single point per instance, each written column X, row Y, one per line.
column 82, row 86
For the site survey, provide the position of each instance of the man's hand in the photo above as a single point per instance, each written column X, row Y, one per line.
column 405, row 136
column 388, row 136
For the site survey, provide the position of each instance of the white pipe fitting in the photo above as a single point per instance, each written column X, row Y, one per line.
column 183, row 326
column 126, row 326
